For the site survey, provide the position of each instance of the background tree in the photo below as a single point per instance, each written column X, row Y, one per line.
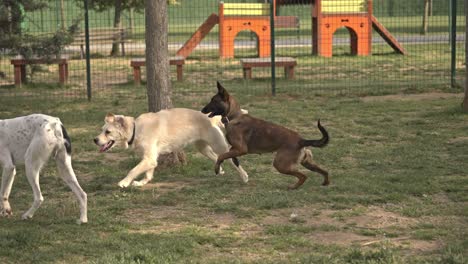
column 465, row 99
column 158, row 84
column 15, row 38
column 427, row 13
column 119, row 7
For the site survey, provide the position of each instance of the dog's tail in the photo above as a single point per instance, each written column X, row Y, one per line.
column 67, row 140
column 320, row 143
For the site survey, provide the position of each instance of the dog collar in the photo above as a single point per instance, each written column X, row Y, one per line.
column 133, row 135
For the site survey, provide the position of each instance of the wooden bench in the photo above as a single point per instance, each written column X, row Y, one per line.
column 101, row 36
column 287, row 22
column 20, row 68
column 287, row 62
column 179, row 61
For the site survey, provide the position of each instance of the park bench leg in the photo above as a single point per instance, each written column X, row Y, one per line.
column 179, row 72
column 63, row 74
column 289, row 72
column 123, row 48
column 137, row 75
column 18, row 75
column 66, row 73
column 82, row 53
column 247, row 73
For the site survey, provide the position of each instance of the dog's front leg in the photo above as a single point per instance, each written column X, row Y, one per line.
column 145, row 165
column 148, row 177
column 8, row 177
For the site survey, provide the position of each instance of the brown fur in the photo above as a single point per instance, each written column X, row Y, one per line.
column 248, row 135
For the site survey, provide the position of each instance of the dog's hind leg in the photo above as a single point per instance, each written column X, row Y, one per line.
column 308, row 163
column 33, row 167
column 36, row 156
column 219, row 146
column 232, row 153
column 208, row 152
column 8, row 176
column 65, row 169
column 285, row 163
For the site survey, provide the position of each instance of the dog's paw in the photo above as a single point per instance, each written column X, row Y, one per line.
column 123, row 184
column 82, row 221
column 26, row 216
column 6, row 212
column 221, row 171
column 138, row 183
column 245, row 178
column 217, row 168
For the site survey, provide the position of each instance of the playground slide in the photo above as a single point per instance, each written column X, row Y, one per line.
column 198, row 36
column 387, row 36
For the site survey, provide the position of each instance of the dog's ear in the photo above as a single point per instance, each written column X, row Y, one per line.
column 222, row 92
column 121, row 120
column 110, row 118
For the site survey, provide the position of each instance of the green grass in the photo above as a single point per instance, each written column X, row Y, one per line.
column 398, row 193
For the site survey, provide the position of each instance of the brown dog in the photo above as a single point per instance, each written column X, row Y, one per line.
column 248, row 134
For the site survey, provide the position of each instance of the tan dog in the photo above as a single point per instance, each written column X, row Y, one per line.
column 166, row 131
column 248, row 134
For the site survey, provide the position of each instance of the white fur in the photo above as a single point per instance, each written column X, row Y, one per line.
column 31, row 140
column 164, row 132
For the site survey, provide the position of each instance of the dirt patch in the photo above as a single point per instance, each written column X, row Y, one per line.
column 338, row 238
column 411, row 97
column 377, row 218
column 109, row 156
column 458, row 140
column 307, row 216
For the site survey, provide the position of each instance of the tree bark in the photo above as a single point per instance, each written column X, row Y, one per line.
column 62, row 15
column 430, row 8
column 158, row 85
column 117, row 23
column 425, row 22
column 465, row 99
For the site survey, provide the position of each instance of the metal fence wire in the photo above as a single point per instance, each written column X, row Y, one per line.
column 349, row 47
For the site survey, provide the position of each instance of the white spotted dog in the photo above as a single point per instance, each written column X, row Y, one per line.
column 31, row 140
column 153, row 134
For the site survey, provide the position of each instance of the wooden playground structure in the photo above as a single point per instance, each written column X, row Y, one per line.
column 327, row 16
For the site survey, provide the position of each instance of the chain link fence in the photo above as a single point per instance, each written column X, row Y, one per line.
column 343, row 47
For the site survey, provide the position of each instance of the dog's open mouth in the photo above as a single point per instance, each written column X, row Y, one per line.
column 107, row 146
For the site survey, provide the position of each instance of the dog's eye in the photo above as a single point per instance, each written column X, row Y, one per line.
column 107, row 132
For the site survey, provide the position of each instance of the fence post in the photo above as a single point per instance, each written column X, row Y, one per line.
column 272, row 47
column 453, row 43
column 88, row 61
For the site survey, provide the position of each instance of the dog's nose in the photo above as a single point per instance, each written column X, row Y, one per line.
column 96, row 140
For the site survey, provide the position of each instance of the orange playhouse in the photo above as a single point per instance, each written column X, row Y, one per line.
column 356, row 16
column 234, row 18
column 327, row 17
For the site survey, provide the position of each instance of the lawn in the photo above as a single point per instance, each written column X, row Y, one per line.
column 398, row 190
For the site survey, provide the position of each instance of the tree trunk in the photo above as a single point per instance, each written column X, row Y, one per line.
column 425, row 22
column 117, row 18
column 391, row 6
column 158, row 83
column 62, row 16
column 465, row 100
column 430, row 8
